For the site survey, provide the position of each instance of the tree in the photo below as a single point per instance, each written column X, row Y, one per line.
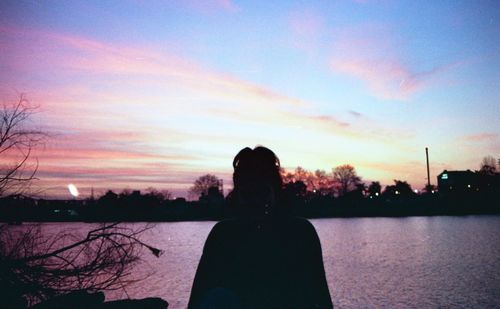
column 304, row 176
column 110, row 198
column 399, row 189
column 159, row 195
column 488, row 166
column 323, row 184
column 346, row 177
column 374, row 189
column 318, row 182
column 296, row 189
column 203, row 184
column 17, row 142
column 430, row 189
column 286, row 176
column 35, row 267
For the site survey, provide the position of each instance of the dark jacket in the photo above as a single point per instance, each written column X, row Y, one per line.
column 272, row 263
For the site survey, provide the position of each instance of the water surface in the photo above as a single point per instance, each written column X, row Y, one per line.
column 412, row 262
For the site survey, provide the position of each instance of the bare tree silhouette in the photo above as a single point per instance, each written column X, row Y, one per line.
column 35, row 267
column 347, row 178
column 203, row 184
column 488, row 166
column 17, row 141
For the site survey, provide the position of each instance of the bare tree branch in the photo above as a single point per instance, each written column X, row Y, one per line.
column 202, row 184
column 39, row 268
column 17, row 140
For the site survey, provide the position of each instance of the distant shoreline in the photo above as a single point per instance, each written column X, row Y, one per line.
column 28, row 210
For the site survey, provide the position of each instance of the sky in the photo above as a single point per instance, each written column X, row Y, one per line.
column 137, row 94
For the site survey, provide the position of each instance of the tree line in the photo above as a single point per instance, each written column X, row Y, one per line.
column 343, row 181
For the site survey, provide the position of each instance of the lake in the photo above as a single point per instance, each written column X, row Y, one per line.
column 410, row 262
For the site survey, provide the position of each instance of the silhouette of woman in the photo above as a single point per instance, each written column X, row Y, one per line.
column 265, row 257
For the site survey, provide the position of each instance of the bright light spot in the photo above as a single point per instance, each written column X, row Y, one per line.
column 432, row 191
column 397, row 192
column 444, row 176
column 73, row 190
column 468, row 186
column 416, row 191
column 376, row 193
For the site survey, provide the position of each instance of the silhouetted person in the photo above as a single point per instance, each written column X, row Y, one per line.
column 265, row 257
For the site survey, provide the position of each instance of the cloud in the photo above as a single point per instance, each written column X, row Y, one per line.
column 128, row 112
column 355, row 113
column 481, row 137
column 306, row 28
column 206, row 7
column 371, row 54
column 386, row 78
column 330, row 120
column 211, row 6
column 71, row 154
column 50, row 50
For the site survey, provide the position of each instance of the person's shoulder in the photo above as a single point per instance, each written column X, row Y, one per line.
column 303, row 232
column 225, row 226
column 301, row 226
column 221, row 232
column 301, row 223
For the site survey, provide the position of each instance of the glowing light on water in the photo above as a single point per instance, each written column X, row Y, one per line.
column 73, row 190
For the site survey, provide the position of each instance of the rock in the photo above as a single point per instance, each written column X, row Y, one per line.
column 73, row 300
column 148, row 303
column 84, row 299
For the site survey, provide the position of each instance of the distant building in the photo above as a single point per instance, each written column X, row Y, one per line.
column 457, row 181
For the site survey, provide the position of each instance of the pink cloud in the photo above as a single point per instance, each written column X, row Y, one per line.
column 361, row 129
column 210, row 6
column 330, row 120
column 306, row 27
column 370, row 53
column 101, row 88
column 66, row 52
column 385, row 79
column 207, row 7
column 102, row 155
column 481, row 137
column 227, row 4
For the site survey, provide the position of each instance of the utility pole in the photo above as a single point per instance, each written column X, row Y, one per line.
column 428, row 174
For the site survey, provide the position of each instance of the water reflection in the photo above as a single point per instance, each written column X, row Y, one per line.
column 369, row 262
column 411, row 262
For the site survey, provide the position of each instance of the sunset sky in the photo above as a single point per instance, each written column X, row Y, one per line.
column 138, row 94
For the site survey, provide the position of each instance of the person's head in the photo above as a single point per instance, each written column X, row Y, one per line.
column 257, row 180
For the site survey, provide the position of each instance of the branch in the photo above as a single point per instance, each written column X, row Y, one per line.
column 100, row 261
